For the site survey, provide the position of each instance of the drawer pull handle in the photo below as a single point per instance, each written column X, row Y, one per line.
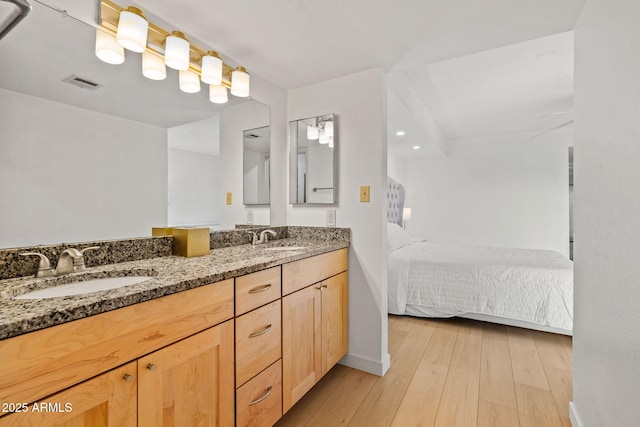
column 128, row 378
column 152, row 367
column 255, row 402
column 262, row 332
column 259, row 289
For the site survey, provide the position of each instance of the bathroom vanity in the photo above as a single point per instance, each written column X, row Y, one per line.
column 234, row 337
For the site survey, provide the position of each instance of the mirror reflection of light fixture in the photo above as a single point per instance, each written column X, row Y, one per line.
column 132, row 30
column 312, row 133
column 211, row 68
column 328, row 128
column 153, row 66
column 240, row 82
column 176, row 51
column 118, row 27
column 107, row 48
column 189, row 81
column 218, row 94
column 324, row 138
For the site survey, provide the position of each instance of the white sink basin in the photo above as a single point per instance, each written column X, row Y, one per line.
column 84, row 287
column 285, row 248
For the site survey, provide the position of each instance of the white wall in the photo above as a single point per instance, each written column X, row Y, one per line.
column 358, row 100
column 118, row 189
column 606, row 340
column 501, row 191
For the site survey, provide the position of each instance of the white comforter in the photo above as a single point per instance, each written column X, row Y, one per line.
column 447, row 280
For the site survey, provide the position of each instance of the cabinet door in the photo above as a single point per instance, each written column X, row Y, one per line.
column 301, row 343
column 190, row 382
column 335, row 321
column 106, row 400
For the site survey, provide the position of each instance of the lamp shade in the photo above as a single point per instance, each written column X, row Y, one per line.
column 328, row 128
column 240, row 82
column 176, row 51
column 189, row 81
column 312, row 133
column 153, row 66
column 324, row 138
column 406, row 214
column 132, row 30
column 107, row 48
column 218, row 94
column 211, row 68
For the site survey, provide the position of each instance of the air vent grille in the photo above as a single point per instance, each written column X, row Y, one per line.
column 82, row 82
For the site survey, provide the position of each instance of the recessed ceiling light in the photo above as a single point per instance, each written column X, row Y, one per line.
column 416, row 147
column 400, row 133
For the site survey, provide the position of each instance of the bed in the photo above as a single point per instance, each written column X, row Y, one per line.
column 518, row 287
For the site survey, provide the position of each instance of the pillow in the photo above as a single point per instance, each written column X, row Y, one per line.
column 396, row 237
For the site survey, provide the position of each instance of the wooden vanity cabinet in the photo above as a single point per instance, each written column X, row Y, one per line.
column 314, row 322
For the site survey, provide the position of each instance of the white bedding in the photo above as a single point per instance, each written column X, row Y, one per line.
column 442, row 280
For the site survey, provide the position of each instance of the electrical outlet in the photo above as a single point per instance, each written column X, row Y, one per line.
column 249, row 216
column 364, row 193
column 331, row 217
column 229, row 198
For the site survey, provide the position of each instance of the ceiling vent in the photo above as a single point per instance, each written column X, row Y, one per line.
column 82, row 82
column 251, row 136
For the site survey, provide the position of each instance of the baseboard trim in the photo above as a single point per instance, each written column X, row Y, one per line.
column 573, row 416
column 360, row 363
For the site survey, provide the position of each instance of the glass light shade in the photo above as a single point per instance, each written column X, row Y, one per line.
column 153, row 66
column 132, row 30
column 406, row 213
column 176, row 51
column 328, row 128
column 108, row 49
column 211, row 69
column 240, row 82
column 330, row 142
column 218, row 94
column 324, row 138
column 189, row 81
column 312, row 133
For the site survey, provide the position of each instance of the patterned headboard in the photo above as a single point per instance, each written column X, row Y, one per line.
column 395, row 201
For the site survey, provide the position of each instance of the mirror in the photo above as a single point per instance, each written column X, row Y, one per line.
column 313, row 157
column 96, row 159
column 256, row 166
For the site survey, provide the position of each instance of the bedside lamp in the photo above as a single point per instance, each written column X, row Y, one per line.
column 406, row 215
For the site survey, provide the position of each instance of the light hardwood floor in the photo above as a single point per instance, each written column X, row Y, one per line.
column 449, row 372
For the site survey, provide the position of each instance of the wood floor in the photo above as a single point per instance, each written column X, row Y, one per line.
column 450, row 372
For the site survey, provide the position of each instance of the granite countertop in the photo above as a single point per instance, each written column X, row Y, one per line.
column 170, row 274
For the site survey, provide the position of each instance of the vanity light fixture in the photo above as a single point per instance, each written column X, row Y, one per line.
column 328, row 128
column 240, row 82
column 324, row 138
column 118, row 27
column 218, row 94
column 312, row 133
column 189, row 81
column 132, row 30
column 107, row 48
column 153, row 66
column 211, row 68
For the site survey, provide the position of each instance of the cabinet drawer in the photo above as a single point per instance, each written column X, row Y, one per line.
column 300, row 274
column 259, row 402
column 257, row 289
column 258, row 341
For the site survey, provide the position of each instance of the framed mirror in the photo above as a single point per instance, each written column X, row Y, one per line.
column 256, row 166
column 313, row 160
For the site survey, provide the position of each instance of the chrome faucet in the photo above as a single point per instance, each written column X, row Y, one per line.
column 264, row 236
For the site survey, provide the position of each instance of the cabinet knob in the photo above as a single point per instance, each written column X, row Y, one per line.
column 128, row 378
column 152, row 367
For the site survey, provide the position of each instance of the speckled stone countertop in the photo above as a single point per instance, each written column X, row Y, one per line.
column 170, row 274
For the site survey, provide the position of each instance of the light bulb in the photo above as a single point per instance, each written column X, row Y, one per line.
column 153, row 66
column 240, row 82
column 176, row 51
column 211, row 68
column 108, row 49
column 218, row 94
column 132, row 30
column 189, row 81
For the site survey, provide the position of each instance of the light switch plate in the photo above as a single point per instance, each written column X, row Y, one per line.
column 229, row 198
column 364, row 193
column 249, row 216
column 331, row 217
